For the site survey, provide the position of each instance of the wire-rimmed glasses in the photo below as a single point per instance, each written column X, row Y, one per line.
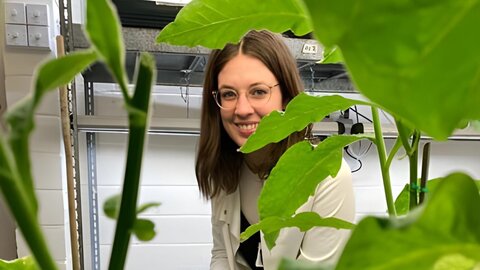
column 257, row 95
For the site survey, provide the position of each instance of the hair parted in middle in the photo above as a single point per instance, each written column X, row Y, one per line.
column 218, row 162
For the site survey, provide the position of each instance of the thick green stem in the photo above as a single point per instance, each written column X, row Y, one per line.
column 137, row 111
column 24, row 212
column 382, row 154
column 22, row 159
column 127, row 214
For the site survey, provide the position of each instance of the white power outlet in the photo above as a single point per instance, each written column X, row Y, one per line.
column 16, row 35
column 38, row 36
column 15, row 13
column 37, row 15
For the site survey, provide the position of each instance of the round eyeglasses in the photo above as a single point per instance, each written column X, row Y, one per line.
column 258, row 95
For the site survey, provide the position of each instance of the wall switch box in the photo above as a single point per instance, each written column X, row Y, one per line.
column 37, row 15
column 16, row 35
column 15, row 13
column 38, row 36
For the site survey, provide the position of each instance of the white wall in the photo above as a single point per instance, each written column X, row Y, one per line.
column 46, row 144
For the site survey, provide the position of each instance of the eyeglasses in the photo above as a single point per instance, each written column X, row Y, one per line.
column 258, row 95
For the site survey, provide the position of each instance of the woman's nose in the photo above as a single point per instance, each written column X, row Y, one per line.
column 243, row 106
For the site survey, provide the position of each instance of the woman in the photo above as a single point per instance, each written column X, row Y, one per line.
column 243, row 83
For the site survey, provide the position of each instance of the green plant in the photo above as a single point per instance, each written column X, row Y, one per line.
column 396, row 53
column 16, row 181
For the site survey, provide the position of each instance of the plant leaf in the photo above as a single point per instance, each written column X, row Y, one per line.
column 144, row 207
column 25, row 263
column 446, row 224
column 49, row 76
column 111, row 206
column 299, row 113
column 396, row 53
column 454, row 262
column 228, row 21
column 300, row 169
column 144, row 229
column 332, row 55
column 304, row 221
column 402, row 202
column 103, row 29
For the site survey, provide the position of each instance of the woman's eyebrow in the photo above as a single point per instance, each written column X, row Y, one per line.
column 250, row 86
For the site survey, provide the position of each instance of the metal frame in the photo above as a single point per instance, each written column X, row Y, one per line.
column 92, row 180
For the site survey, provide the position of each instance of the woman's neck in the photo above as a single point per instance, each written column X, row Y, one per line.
column 256, row 160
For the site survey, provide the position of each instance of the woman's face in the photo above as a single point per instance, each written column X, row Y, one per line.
column 247, row 76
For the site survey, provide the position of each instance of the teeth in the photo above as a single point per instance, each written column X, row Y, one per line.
column 248, row 127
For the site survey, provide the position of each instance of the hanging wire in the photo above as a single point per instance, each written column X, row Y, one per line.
column 362, row 151
column 185, row 83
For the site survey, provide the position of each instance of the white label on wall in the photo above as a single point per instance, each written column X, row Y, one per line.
column 310, row 48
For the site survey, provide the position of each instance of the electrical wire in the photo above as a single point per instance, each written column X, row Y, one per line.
column 363, row 116
column 360, row 164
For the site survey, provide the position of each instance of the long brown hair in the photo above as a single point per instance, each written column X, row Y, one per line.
column 218, row 161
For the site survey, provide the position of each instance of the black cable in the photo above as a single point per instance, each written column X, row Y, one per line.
column 358, row 160
column 363, row 116
column 356, row 113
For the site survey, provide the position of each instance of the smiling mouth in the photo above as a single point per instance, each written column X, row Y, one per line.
column 247, row 127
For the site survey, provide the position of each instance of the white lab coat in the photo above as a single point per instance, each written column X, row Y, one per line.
column 333, row 198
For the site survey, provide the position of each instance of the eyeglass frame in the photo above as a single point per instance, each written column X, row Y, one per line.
column 215, row 92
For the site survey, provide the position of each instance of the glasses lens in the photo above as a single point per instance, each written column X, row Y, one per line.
column 259, row 94
column 226, row 98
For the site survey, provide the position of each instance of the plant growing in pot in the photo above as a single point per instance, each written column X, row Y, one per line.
column 395, row 53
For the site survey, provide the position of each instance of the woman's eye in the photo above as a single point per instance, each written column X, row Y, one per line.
column 258, row 92
column 228, row 94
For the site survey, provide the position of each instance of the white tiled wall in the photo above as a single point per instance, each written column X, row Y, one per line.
column 183, row 218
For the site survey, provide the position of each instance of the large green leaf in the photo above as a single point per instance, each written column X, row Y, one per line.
column 417, row 59
column 304, row 221
column 25, row 263
column 300, row 169
column 299, row 113
column 447, row 224
column 214, row 23
column 104, row 31
column 49, row 76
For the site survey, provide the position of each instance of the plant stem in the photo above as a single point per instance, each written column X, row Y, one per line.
column 23, row 210
column 137, row 112
column 392, row 153
column 19, row 145
column 382, row 154
column 413, row 160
